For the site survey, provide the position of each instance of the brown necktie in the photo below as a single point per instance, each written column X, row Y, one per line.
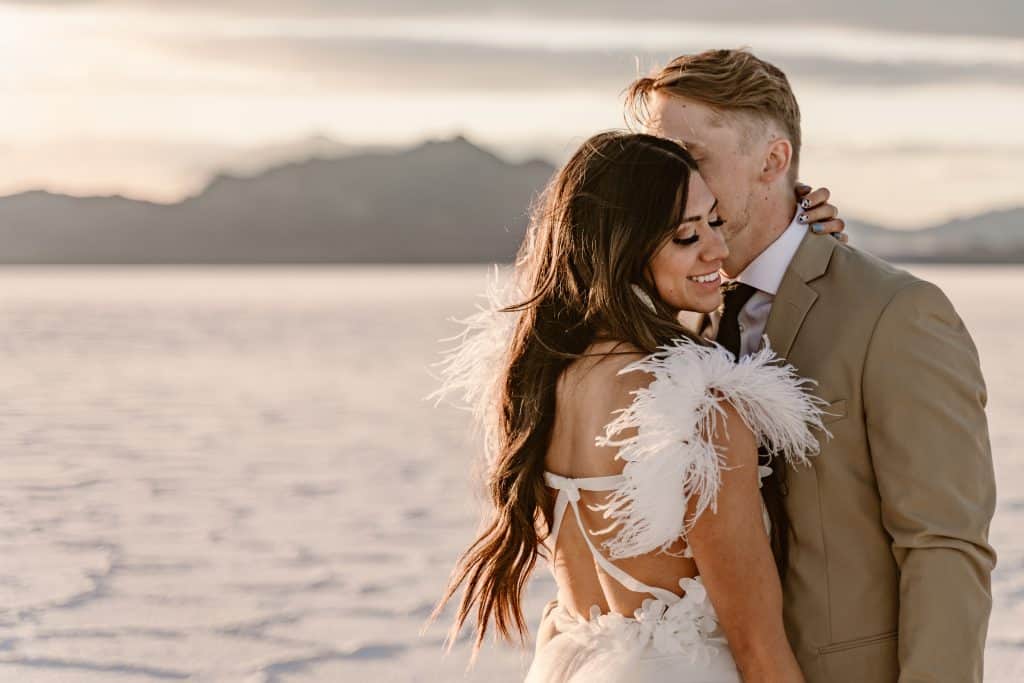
column 737, row 294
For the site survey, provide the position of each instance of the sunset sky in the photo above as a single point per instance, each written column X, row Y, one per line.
column 912, row 111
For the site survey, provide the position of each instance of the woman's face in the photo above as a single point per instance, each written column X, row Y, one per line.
column 685, row 269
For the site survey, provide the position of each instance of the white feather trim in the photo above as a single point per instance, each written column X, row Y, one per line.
column 670, row 458
column 472, row 369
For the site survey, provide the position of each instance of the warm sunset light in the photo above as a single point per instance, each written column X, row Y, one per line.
column 675, row 340
column 149, row 99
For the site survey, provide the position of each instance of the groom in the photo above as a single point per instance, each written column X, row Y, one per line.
column 889, row 563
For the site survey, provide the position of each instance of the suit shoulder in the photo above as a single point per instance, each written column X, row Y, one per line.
column 886, row 287
column 875, row 277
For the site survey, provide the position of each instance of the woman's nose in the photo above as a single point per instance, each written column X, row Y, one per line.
column 715, row 249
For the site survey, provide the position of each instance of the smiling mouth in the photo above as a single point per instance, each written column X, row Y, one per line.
column 706, row 279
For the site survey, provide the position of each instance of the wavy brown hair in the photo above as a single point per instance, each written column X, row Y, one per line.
column 592, row 234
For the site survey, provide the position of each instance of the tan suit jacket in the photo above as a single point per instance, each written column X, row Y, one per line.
column 889, row 577
column 890, row 563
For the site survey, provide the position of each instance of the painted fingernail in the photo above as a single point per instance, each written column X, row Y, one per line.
column 805, row 203
column 817, row 227
column 802, row 218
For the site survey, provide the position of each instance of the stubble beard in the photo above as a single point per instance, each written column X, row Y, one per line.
column 738, row 239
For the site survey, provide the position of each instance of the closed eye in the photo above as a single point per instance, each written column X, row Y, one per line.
column 686, row 241
column 716, row 223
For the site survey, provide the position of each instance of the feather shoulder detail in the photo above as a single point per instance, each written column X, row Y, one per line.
column 670, row 458
column 471, row 369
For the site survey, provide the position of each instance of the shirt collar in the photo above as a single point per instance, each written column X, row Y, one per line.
column 765, row 272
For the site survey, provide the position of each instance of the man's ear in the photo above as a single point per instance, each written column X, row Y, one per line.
column 777, row 159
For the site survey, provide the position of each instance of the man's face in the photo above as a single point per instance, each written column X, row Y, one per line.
column 716, row 142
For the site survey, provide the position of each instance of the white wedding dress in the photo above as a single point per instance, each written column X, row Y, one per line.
column 670, row 638
column 669, row 461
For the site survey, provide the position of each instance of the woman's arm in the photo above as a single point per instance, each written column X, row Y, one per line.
column 734, row 556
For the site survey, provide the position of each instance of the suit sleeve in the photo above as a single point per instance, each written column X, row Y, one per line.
column 925, row 399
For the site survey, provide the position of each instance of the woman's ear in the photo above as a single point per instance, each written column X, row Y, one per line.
column 777, row 159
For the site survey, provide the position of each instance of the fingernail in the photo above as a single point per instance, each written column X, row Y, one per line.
column 817, row 228
column 805, row 204
column 802, row 218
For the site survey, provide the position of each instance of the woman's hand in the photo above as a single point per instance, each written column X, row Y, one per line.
column 822, row 217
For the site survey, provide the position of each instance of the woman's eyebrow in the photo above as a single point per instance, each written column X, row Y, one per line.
column 691, row 219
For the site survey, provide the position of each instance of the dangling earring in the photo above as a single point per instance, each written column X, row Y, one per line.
column 644, row 297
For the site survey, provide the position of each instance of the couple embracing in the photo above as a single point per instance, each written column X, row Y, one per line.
column 747, row 450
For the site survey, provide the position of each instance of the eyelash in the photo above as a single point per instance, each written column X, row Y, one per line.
column 685, row 242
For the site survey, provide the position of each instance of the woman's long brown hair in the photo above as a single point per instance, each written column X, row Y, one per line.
column 593, row 231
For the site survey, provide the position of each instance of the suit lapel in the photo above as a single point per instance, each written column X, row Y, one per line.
column 795, row 296
column 788, row 312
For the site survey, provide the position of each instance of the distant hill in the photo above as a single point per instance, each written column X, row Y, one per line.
column 250, row 161
column 446, row 201
column 996, row 237
column 442, row 201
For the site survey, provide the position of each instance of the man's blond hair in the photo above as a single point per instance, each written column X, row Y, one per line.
column 730, row 82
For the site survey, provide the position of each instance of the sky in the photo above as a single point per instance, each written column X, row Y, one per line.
column 911, row 110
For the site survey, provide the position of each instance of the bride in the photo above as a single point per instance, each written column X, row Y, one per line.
column 621, row 447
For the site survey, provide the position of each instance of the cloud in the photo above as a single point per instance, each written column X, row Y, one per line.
column 982, row 17
column 474, row 53
column 428, row 65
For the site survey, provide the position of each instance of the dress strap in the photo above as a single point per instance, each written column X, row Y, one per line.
column 569, row 494
column 565, row 484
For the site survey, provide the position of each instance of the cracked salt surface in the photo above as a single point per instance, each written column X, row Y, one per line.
column 230, row 474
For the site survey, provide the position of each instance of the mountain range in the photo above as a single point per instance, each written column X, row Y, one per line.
column 446, row 201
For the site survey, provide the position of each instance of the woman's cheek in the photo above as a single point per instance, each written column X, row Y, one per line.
column 673, row 293
column 673, row 269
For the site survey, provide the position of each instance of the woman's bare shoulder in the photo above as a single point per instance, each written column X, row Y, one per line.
column 589, row 393
column 596, row 377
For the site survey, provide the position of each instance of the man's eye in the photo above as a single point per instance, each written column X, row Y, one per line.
column 686, row 241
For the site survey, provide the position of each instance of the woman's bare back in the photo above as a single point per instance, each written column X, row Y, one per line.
column 588, row 393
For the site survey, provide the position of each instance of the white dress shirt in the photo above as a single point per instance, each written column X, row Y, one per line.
column 765, row 274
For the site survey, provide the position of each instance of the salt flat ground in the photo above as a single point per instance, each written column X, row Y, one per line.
column 230, row 474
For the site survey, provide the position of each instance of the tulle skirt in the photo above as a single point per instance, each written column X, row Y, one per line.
column 563, row 660
column 680, row 642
